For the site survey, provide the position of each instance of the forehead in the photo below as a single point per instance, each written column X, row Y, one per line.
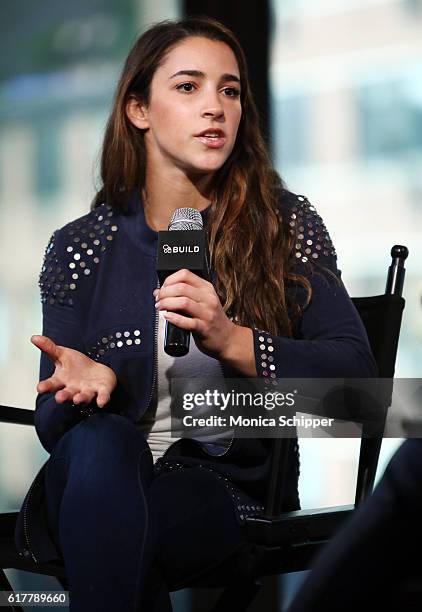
column 212, row 57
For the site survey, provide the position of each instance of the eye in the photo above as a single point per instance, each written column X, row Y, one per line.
column 232, row 92
column 185, row 87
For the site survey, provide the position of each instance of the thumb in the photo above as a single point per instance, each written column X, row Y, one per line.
column 47, row 346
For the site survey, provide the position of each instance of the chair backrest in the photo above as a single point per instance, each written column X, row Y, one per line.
column 381, row 316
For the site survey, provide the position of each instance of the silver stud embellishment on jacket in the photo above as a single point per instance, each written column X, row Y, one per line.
column 312, row 238
column 52, row 283
column 266, row 367
column 89, row 237
column 119, row 339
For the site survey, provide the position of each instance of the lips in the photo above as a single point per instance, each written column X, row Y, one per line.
column 213, row 138
column 210, row 131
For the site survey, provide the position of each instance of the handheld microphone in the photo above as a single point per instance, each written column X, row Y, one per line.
column 183, row 245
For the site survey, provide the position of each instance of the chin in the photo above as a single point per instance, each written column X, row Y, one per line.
column 209, row 165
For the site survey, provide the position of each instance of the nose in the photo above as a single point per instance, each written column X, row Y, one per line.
column 212, row 107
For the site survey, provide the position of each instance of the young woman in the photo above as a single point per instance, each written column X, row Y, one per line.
column 131, row 511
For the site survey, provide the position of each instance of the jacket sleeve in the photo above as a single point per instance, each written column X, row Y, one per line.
column 62, row 322
column 52, row 420
column 331, row 341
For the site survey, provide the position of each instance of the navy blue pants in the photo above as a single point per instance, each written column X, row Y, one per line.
column 125, row 531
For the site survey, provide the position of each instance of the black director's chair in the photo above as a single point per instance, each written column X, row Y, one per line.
column 277, row 542
column 287, row 542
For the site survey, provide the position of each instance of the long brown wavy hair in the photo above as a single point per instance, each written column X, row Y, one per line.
column 249, row 240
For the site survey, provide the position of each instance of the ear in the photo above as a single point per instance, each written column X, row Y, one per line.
column 137, row 113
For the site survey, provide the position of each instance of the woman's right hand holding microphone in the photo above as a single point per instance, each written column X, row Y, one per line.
column 76, row 378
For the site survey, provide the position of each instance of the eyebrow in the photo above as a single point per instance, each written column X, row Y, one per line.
column 200, row 74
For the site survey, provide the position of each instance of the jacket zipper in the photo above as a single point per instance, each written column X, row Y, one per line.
column 25, row 520
column 154, row 378
column 226, row 450
column 232, row 440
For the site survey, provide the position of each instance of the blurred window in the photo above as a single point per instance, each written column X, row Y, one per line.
column 390, row 117
column 55, row 35
column 290, row 130
column 47, row 157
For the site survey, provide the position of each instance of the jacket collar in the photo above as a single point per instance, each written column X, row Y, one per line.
column 139, row 230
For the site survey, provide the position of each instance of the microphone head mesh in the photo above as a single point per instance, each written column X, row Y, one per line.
column 186, row 219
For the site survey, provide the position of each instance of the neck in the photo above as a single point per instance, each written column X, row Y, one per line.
column 163, row 194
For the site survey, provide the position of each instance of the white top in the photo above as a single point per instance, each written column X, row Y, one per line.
column 156, row 422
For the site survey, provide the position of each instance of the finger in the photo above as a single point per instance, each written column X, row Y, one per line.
column 179, row 290
column 49, row 385
column 47, row 346
column 103, row 396
column 65, row 395
column 181, row 321
column 182, row 304
column 84, row 397
column 184, row 276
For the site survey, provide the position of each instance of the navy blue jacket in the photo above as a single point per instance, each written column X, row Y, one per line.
column 96, row 287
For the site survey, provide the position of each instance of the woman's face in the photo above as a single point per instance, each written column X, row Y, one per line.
column 194, row 110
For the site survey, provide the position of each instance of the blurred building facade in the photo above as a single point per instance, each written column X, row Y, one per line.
column 347, row 132
column 56, row 88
